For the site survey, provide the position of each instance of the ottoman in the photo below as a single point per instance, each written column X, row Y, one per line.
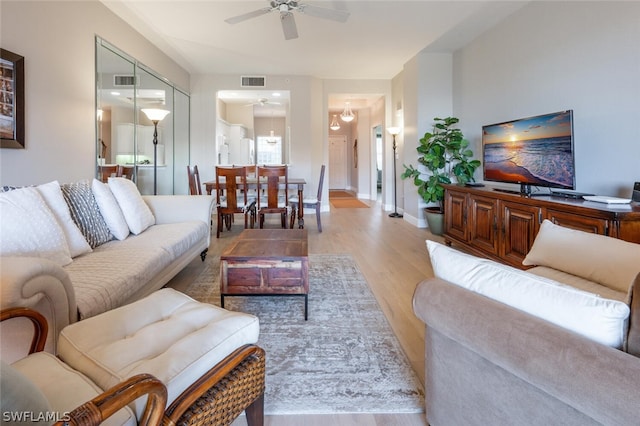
column 167, row 334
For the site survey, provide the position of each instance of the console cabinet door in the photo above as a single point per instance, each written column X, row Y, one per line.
column 455, row 210
column 483, row 224
column 520, row 224
column 581, row 223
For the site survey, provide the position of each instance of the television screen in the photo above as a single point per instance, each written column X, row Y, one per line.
column 534, row 151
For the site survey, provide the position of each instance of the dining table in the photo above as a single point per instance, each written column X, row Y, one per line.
column 252, row 183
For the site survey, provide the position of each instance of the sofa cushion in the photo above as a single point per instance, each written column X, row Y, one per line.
column 85, row 213
column 110, row 209
column 20, row 395
column 166, row 334
column 100, row 287
column 64, row 388
column 135, row 210
column 605, row 260
column 599, row 319
column 52, row 194
column 28, row 227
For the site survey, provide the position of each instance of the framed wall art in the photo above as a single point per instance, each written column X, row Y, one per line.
column 11, row 100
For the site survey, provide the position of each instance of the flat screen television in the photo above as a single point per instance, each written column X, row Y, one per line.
column 534, row 151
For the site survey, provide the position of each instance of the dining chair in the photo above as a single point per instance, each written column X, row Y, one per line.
column 315, row 203
column 125, row 171
column 272, row 201
column 234, row 180
column 105, row 172
column 194, row 180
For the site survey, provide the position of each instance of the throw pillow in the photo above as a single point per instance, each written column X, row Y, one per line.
column 20, row 395
column 85, row 213
column 110, row 209
column 609, row 261
column 602, row 320
column 29, row 228
column 136, row 212
column 52, row 195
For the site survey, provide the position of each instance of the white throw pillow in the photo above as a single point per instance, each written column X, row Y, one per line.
column 52, row 195
column 602, row 320
column 29, row 228
column 110, row 209
column 608, row 261
column 136, row 212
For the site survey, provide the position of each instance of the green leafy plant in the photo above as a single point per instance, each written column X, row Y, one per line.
column 445, row 153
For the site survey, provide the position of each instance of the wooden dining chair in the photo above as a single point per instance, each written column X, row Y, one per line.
column 314, row 203
column 194, row 180
column 231, row 199
column 125, row 171
column 105, row 172
column 272, row 201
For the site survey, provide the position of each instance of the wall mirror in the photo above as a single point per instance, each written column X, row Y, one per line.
column 253, row 127
column 124, row 133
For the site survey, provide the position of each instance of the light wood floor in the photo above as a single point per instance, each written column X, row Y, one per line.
column 392, row 255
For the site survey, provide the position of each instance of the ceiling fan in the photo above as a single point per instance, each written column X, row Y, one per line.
column 263, row 102
column 286, row 7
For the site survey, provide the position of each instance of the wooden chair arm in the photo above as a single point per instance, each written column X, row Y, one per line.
column 40, row 326
column 108, row 403
column 208, row 380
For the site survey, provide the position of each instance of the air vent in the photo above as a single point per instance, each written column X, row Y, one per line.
column 125, row 80
column 253, row 81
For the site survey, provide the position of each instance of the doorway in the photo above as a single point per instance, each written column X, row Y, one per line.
column 377, row 149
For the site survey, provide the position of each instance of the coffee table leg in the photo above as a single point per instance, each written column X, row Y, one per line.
column 222, row 300
column 306, row 306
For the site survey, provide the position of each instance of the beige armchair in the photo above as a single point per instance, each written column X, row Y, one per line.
column 75, row 387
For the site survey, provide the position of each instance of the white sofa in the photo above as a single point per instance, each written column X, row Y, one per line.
column 111, row 274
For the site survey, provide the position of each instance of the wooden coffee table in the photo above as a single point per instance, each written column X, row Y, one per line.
column 266, row 262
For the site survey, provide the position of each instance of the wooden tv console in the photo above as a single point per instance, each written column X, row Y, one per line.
column 503, row 226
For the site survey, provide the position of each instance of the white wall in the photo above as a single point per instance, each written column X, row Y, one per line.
column 549, row 57
column 57, row 40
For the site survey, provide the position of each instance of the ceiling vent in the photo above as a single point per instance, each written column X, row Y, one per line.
column 125, row 80
column 253, row 81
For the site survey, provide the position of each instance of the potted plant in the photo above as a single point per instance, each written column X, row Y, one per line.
column 445, row 153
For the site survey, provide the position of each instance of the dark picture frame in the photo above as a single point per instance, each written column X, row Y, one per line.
column 11, row 100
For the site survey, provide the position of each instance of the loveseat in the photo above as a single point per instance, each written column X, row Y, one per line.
column 511, row 347
column 73, row 251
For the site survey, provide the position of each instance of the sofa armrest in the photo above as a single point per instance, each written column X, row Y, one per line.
column 180, row 208
column 594, row 379
column 42, row 285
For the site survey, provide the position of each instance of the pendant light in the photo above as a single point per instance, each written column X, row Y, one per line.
column 347, row 115
column 334, row 123
column 272, row 139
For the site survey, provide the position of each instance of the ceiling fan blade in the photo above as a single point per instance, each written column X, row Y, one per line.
column 323, row 12
column 245, row 16
column 288, row 25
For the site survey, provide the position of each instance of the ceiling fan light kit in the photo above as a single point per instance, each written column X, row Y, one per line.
column 287, row 20
column 347, row 115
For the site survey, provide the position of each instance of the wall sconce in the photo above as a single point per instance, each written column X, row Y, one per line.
column 347, row 115
column 155, row 115
column 334, row 123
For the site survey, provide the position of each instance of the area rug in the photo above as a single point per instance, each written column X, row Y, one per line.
column 337, row 193
column 348, row 203
column 344, row 359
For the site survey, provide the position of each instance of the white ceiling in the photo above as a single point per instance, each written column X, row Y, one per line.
column 378, row 38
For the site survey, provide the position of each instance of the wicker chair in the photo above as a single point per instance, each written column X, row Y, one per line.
column 234, row 385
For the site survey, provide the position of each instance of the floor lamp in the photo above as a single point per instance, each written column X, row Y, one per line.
column 155, row 115
column 393, row 131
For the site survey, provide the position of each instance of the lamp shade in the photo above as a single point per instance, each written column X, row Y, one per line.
column 154, row 114
column 393, row 130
